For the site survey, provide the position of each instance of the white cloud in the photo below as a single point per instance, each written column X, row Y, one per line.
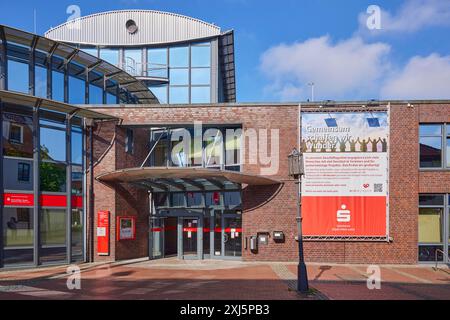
column 350, row 67
column 412, row 16
column 421, row 78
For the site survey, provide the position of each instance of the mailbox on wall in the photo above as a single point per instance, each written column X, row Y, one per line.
column 103, row 226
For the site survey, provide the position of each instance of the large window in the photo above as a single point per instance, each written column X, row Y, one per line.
column 433, row 138
column 57, row 86
column 53, row 235
column 157, row 65
column 433, row 235
column 41, row 82
column 110, row 55
column 133, row 61
column 18, row 236
column 18, row 76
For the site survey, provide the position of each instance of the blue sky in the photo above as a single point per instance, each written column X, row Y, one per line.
column 282, row 45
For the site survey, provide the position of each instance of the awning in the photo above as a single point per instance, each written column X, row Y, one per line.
column 184, row 179
column 51, row 47
column 32, row 101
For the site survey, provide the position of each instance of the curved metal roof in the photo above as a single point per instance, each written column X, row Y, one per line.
column 154, row 27
column 184, row 179
column 51, row 47
column 32, row 101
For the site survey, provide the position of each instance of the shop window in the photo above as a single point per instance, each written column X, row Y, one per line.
column 77, row 234
column 53, row 235
column 23, row 172
column 431, row 227
column 18, row 236
column 430, row 146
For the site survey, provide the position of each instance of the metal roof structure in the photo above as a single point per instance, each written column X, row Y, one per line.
column 184, row 179
column 71, row 54
column 32, row 101
column 151, row 27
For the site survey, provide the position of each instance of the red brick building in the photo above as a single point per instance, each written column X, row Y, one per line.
column 418, row 186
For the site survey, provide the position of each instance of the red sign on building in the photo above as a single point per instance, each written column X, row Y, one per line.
column 103, row 226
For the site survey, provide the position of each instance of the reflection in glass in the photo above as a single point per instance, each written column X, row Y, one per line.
column 17, row 135
column 57, row 86
column 430, row 152
column 95, row 95
column 53, row 177
column 40, row 82
column 133, row 61
column 53, row 235
column 160, row 91
column 77, row 145
column 179, row 76
column 201, row 56
column 431, row 200
column 179, row 57
column 53, row 144
column 430, row 130
column 18, row 76
column 179, row 95
column 110, row 55
column 76, row 91
column 157, row 63
column 201, row 76
column 18, row 235
column 77, row 234
column 201, row 95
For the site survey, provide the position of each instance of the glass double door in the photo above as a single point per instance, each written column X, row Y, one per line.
column 215, row 234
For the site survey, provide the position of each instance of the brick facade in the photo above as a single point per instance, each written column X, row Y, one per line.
column 273, row 208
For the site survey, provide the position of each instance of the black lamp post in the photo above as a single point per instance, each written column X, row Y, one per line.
column 297, row 171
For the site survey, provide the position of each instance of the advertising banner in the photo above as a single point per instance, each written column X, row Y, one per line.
column 345, row 187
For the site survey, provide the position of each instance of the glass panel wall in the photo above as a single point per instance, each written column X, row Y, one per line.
column 18, row 79
column 157, row 64
column 110, row 55
column 133, row 61
column 41, row 82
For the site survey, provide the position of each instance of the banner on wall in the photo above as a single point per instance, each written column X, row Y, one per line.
column 345, row 187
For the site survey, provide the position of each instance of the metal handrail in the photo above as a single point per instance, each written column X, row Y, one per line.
column 445, row 255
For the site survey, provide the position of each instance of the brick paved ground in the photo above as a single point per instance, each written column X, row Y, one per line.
column 171, row 280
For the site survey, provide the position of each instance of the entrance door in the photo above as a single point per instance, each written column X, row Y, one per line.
column 232, row 236
column 191, row 228
column 227, row 235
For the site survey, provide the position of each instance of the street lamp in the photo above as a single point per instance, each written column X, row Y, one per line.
column 297, row 171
